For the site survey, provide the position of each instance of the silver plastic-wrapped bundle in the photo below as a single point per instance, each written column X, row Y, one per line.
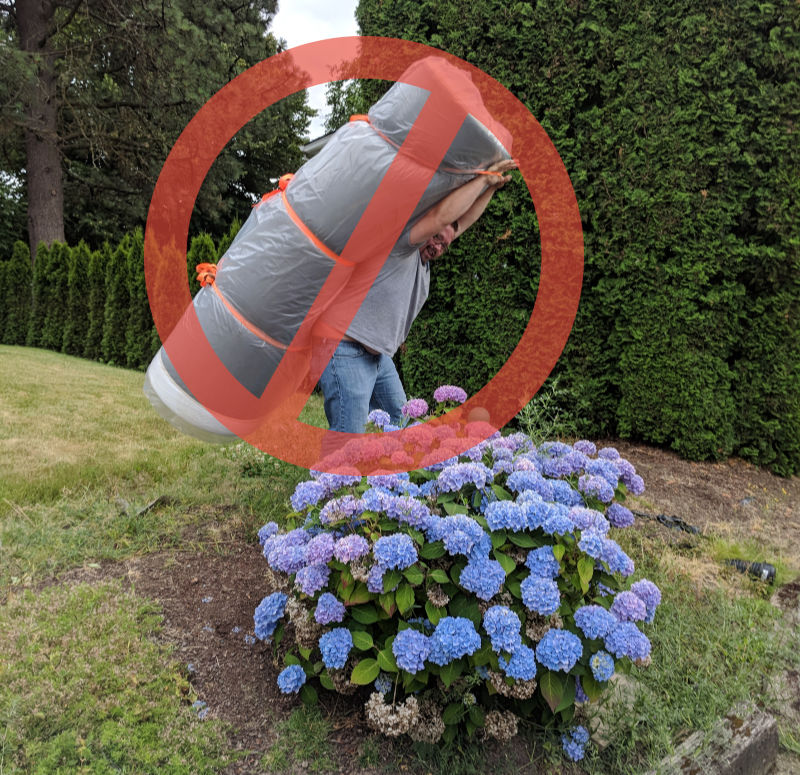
column 254, row 302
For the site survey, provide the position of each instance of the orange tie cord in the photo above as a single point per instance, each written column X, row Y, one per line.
column 364, row 117
column 207, row 275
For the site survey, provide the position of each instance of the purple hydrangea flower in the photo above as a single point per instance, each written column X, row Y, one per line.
column 411, row 648
column 449, row 393
column 379, row 418
column 338, row 509
column 287, row 558
column 587, row 447
column 608, row 453
column 312, row 579
column 540, row 595
column 319, row 550
column 329, row 609
column 334, row 482
column 628, row 607
column 483, row 577
column 351, row 547
column 416, row 407
column 580, row 695
column 502, row 626
column 506, row 515
column 635, row 485
column 594, row 621
column 559, row 650
column 589, row 519
column 626, row 640
column 602, row 665
column 307, row 494
column 606, row 469
column 454, row 637
column 408, row 510
column 521, row 666
column 335, row 647
column 649, row 594
column 375, row 580
column 542, row 562
column 619, row 516
column 291, row 678
column 596, row 486
column 395, row 552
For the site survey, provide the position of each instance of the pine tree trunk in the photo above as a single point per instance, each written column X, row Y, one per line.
column 43, row 158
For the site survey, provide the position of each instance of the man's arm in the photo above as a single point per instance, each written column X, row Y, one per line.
column 465, row 205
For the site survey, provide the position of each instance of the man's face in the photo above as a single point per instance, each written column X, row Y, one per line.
column 437, row 244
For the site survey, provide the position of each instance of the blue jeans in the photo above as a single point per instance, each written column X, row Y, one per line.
column 355, row 382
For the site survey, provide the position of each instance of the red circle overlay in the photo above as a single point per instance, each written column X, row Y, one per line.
column 282, row 434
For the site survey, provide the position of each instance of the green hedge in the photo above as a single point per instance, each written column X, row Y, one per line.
column 678, row 126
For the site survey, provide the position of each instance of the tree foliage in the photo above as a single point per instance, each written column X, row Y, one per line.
column 677, row 124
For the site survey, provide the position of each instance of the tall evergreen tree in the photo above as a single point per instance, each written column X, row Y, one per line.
column 139, row 328
column 55, row 316
column 96, row 276
column 115, row 315
column 77, row 320
column 15, row 294
column 39, row 298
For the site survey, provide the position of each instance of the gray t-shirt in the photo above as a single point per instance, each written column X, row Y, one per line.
column 393, row 302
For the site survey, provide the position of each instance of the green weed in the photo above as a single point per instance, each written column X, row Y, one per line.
column 302, row 744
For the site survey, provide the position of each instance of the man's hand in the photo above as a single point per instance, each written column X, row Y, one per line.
column 498, row 181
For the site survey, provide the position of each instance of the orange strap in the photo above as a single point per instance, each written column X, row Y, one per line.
column 283, row 182
column 453, row 170
column 207, row 275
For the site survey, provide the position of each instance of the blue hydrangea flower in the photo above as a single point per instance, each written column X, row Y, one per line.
column 379, row 418
column 580, row 695
column 454, row 637
column 268, row 613
column 411, row 648
column 542, row 562
column 522, row 480
column 574, row 742
column 635, row 485
column 375, row 580
column 335, row 647
column 307, row 494
column 625, row 640
column 559, row 650
column 483, row 577
column 540, row 595
column 554, row 448
column 556, row 467
column 602, row 664
column 502, row 466
column 596, row 486
column 329, row 609
column 649, row 594
column 521, row 666
column 459, row 533
column 312, row 578
column 628, row 607
column 594, row 621
column 409, row 510
column 319, row 550
column 506, row 515
column 395, row 552
column 376, row 499
column 351, row 547
column 482, row 671
column 558, row 521
column 619, row 516
column 536, row 510
column 267, row 531
column 606, row 469
column 564, row 493
column 609, row 453
column 383, row 684
column 502, row 626
column 334, row 482
column 291, row 678
column 287, row 558
column 456, row 476
column 589, row 519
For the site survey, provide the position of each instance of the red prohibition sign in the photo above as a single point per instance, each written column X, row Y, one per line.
column 282, row 434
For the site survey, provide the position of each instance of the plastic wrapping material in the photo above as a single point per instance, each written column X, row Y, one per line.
column 285, row 252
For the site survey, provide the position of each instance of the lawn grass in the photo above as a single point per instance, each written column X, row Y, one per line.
column 83, row 687
column 84, row 452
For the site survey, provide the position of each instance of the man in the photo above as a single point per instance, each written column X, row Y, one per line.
column 361, row 376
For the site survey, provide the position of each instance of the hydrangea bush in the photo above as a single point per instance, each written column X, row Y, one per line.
column 471, row 594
